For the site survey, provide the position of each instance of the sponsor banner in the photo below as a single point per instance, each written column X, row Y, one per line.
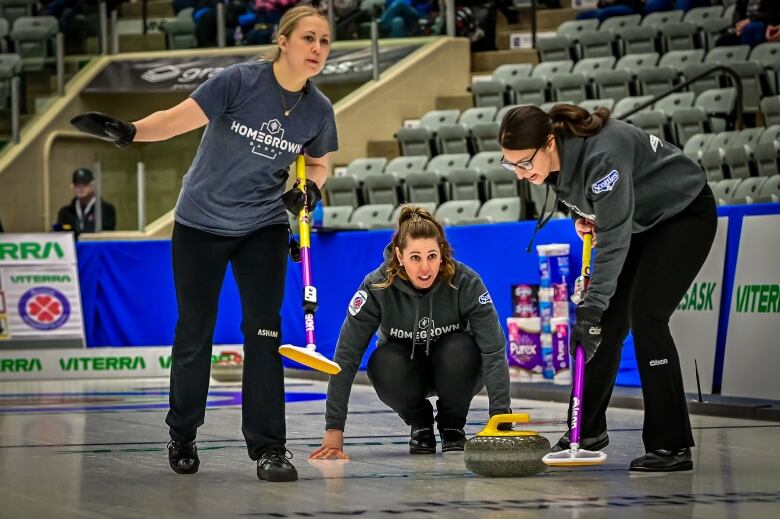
column 42, row 302
column 37, row 249
column 752, row 355
column 39, row 290
column 186, row 74
column 92, row 363
column 694, row 325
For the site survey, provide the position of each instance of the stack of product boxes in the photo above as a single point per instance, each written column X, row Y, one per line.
column 539, row 329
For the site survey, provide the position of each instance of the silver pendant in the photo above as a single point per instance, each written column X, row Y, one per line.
column 287, row 113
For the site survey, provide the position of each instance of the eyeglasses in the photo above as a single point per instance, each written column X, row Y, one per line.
column 522, row 164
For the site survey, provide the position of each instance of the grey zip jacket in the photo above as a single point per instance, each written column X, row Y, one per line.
column 626, row 181
column 402, row 314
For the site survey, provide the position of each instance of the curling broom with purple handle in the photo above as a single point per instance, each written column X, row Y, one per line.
column 307, row 355
column 574, row 456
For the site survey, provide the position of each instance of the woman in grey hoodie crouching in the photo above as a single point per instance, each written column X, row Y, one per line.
column 439, row 334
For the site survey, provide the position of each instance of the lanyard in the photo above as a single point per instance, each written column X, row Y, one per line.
column 82, row 215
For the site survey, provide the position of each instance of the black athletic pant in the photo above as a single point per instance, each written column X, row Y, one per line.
column 259, row 262
column 453, row 371
column 662, row 263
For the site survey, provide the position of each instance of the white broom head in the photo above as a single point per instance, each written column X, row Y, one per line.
column 574, row 458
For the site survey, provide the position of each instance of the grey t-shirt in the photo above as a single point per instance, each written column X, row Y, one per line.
column 236, row 180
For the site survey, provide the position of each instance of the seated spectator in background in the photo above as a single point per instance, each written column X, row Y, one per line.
column 79, row 215
column 401, row 18
column 772, row 34
column 261, row 18
column 180, row 5
column 609, row 8
column 205, row 18
column 78, row 20
column 652, row 6
column 750, row 21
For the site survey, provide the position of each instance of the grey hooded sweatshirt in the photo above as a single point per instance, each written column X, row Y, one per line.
column 402, row 314
column 626, row 181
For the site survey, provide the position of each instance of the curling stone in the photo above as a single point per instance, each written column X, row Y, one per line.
column 229, row 367
column 495, row 454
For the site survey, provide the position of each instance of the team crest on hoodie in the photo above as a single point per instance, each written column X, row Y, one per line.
column 358, row 300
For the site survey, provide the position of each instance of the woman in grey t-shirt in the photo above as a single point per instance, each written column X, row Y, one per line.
column 231, row 209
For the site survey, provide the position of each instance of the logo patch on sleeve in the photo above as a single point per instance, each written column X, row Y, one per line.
column 654, row 142
column 358, row 300
column 607, row 183
column 485, row 298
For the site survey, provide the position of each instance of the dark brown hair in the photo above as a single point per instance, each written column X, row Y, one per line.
column 529, row 127
column 413, row 223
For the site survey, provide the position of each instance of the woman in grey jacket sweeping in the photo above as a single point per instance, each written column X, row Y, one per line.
column 438, row 334
column 653, row 217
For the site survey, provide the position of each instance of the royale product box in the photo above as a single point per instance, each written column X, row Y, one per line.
column 525, row 300
column 553, row 264
column 561, row 361
column 560, row 300
column 524, row 353
column 546, row 307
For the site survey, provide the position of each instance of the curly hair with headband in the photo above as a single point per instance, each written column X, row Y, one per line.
column 415, row 223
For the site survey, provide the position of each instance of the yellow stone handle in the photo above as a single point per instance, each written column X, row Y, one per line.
column 491, row 429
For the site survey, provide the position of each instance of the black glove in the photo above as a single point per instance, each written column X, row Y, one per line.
column 293, row 199
column 586, row 331
column 120, row 133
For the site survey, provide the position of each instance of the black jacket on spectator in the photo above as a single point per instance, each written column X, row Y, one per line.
column 67, row 216
column 637, row 5
column 768, row 12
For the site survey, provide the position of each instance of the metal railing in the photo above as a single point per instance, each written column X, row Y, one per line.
column 735, row 79
column 97, row 170
column 15, row 108
column 103, row 17
column 16, row 87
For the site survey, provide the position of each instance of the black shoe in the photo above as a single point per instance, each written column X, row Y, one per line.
column 662, row 460
column 588, row 444
column 183, row 457
column 422, row 440
column 273, row 465
column 452, row 439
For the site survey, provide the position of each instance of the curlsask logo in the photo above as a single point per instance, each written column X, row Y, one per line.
column 607, row 183
column 485, row 298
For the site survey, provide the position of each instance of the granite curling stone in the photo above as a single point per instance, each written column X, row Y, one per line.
column 495, row 453
column 229, row 367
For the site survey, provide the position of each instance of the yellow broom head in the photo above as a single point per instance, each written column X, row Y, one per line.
column 309, row 357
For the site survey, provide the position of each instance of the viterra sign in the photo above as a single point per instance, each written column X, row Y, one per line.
column 37, row 249
column 30, row 250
